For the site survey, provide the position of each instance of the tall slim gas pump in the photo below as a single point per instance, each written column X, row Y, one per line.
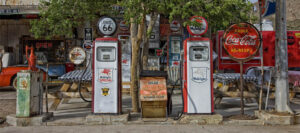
column 175, row 47
column 198, row 70
column 124, row 40
column 107, row 71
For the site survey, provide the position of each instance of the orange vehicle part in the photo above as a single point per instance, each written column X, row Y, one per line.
column 8, row 74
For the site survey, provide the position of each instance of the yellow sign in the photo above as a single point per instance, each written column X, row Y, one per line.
column 297, row 35
column 105, row 91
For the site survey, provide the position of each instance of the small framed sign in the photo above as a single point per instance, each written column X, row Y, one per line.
column 88, row 34
column 123, row 26
column 175, row 26
column 107, row 26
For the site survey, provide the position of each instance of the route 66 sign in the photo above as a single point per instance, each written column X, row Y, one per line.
column 107, row 26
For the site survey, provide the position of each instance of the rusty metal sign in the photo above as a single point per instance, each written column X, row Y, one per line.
column 77, row 55
column 153, row 89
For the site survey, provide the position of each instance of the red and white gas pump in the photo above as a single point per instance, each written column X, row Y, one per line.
column 107, row 71
column 198, row 71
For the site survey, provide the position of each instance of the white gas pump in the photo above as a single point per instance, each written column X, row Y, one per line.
column 198, row 72
column 124, row 40
column 106, row 72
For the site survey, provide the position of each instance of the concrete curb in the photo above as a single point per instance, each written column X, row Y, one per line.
column 28, row 121
column 269, row 118
column 256, row 122
column 106, row 119
column 213, row 119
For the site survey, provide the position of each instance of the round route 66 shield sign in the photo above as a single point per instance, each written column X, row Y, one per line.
column 107, row 26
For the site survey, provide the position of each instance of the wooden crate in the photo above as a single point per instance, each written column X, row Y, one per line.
column 153, row 96
column 154, row 109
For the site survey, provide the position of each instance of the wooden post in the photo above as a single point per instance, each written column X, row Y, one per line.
column 242, row 88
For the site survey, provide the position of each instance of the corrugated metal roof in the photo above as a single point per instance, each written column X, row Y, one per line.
column 232, row 77
column 75, row 76
column 19, row 2
column 25, row 9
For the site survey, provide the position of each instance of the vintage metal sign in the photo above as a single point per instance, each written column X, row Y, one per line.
column 268, row 7
column 107, row 26
column 153, row 89
column 105, row 91
column 199, row 74
column 175, row 26
column 241, row 41
column 123, row 26
column 105, row 75
column 198, row 31
column 77, row 55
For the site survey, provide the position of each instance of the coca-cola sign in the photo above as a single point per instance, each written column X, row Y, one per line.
column 241, row 41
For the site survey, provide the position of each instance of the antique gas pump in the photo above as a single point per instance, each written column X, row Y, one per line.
column 175, row 47
column 124, row 40
column 175, row 44
column 106, row 71
column 29, row 89
column 198, row 70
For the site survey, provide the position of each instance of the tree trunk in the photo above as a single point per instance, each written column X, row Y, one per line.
column 136, row 34
column 145, row 52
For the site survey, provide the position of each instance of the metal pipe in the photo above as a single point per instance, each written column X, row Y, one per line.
column 268, row 92
column 47, row 110
column 261, row 57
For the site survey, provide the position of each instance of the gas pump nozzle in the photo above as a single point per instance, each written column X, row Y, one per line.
column 31, row 59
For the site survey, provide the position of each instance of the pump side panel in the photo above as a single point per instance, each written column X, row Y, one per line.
column 198, row 77
column 23, row 95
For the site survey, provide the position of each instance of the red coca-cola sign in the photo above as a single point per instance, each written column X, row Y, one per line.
column 241, row 41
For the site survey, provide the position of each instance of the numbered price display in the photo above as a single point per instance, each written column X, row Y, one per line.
column 107, row 26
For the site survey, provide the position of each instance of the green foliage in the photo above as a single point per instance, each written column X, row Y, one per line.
column 59, row 17
column 218, row 13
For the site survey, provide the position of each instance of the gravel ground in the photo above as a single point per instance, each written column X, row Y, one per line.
column 153, row 129
column 7, row 104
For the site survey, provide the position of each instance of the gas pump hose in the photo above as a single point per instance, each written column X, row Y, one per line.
column 180, row 113
column 79, row 84
column 181, row 83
